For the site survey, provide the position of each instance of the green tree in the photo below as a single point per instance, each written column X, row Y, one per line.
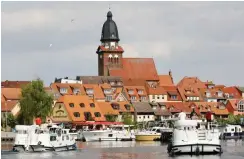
column 127, row 118
column 35, row 102
column 110, row 117
column 11, row 120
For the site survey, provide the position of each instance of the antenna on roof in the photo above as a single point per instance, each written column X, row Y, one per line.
column 109, row 8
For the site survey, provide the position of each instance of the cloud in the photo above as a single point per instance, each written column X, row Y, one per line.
column 191, row 38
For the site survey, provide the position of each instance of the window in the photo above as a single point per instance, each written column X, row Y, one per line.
column 88, row 116
column 71, row 105
column 173, row 97
column 143, row 98
column 107, row 91
column 63, row 90
column 148, row 116
column 162, row 96
column 127, row 106
column 77, row 114
column 140, row 91
column 115, row 106
column 158, row 97
column 109, row 98
column 241, row 106
column 112, row 83
column 52, row 138
column 76, row 90
column 97, row 114
column 92, row 105
column 119, row 83
column 133, row 98
column 153, row 97
column 131, row 91
column 89, row 91
column 82, row 105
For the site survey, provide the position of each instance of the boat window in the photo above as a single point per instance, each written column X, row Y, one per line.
column 232, row 129
column 188, row 128
column 153, row 129
column 63, row 138
column 52, row 138
column 25, row 132
column 240, row 130
column 225, row 130
column 184, row 128
column 158, row 131
column 67, row 137
column 110, row 135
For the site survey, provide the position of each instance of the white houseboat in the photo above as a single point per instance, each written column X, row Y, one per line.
column 194, row 137
column 232, row 132
column 43, row 138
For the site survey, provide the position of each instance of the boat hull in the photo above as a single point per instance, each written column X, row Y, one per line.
column 194, row 149
column 147, row 137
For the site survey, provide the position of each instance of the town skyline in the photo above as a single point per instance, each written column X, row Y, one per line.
column 40, row 34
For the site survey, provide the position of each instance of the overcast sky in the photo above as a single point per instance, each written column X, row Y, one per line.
column 204, row 39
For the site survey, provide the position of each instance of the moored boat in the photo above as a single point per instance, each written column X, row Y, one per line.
column 194, row 137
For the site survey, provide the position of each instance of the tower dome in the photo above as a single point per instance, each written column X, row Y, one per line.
column 110, row 30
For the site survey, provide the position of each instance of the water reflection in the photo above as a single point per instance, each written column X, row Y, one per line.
column 129, row 150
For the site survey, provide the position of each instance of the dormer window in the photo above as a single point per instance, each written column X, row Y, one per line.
column 174, row 97
column 154, row 107
column 143, row 98
column 88, row 116
column 107, row 91
column 131, row 91
column 92, row 105
column 119, row 83
column 71, row 105
column 76, row 90
column 208, row 94
column 112, row 83
column 127, row 106
column 220, row 93
column 163, row 107
column 76, row 114
column 63, row 90
column 115, row 106
column 82, row 105
column 140, row 91
column 89, row 91
column 97, row 114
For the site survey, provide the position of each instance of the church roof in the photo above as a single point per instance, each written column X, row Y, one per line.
column 109, row 30
column 136, row 68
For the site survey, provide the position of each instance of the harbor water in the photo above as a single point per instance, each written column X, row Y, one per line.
column 233, row 149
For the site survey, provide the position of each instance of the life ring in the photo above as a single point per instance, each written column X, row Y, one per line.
column 39, row 143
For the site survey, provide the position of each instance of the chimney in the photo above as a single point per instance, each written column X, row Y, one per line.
column 170, row 73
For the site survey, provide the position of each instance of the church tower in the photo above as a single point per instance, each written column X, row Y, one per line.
column 109, row 52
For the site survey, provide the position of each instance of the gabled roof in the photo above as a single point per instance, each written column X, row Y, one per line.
column 134, row 68
column 11, row 93
column 172, row 90
column 190, row 83
column 233, row 92
column 165, row 80
column 76, row 100
column 213, row 93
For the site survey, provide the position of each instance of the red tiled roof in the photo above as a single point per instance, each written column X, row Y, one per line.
column 156, row 91
column 8, row 105
column 165, row 80
column 136, row 68
column 11, row 93
column 14, row 84
column 172, row 90
column 233, row 91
